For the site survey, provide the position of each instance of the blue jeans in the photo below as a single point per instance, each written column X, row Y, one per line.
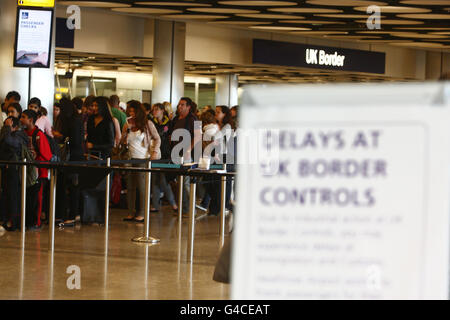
column 159, row 182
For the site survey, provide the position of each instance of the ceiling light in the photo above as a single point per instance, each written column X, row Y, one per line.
column 145, row 10
column 222, row 10
column 177, row 4
column 276, row 28
column 319, row 32
column 305, row 10
column 417, row 35
column 394, row 9
column 258, row 3
column 349, row 3
column 343, row 16
column 194, row 16
column 395, row 22
column 97, row 4
column 419, row 44
column 314, row 22
column 447, row 33
column 420, row 28
column 269, row 16
column 425, row 16
column 239, row 22
column 426, row 2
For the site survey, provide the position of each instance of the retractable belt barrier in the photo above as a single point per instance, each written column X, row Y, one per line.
column 92, row 172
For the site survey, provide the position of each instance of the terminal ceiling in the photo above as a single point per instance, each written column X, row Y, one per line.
column 408, row 23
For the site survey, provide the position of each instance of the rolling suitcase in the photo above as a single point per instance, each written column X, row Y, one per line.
column 93, row 206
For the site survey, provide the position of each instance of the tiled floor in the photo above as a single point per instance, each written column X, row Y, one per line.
column 129, row 270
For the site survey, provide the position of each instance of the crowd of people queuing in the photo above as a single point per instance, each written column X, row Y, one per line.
column 99, row 127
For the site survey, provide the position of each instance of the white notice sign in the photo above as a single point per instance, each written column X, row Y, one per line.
column 353, row 203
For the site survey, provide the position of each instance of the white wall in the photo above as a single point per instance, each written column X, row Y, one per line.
column 111, row 33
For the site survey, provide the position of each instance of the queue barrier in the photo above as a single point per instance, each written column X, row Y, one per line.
column 152, row 166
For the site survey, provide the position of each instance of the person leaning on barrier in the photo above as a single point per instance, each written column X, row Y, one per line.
column 143, row 142
column 40, row 149
column 12, row 142
column 161, row 120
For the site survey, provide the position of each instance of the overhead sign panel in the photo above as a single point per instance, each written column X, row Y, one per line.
column 347, row 198
column 317, row 57
column 33, row 37
column 36, row 3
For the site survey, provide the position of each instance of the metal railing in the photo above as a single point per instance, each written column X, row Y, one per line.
column 108, row 168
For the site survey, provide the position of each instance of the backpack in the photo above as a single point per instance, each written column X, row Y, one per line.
column 32, row 171
column 54, row 146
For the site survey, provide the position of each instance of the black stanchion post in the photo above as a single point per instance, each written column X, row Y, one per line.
column 23, row 202
column 191, row 220
column 223, row 183
column 51, row 221
column 180, row 200
column 108, row 164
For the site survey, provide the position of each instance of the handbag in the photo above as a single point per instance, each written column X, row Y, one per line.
column 65, row 150
column 124, row 152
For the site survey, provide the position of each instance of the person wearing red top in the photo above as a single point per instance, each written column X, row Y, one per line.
column 41, row 153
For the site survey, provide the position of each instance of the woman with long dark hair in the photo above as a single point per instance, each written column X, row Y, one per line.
column 57, row 124
column 161, row 121
column 100, row 129
column 226, row 124
column 143, row 141
column 72, row 134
